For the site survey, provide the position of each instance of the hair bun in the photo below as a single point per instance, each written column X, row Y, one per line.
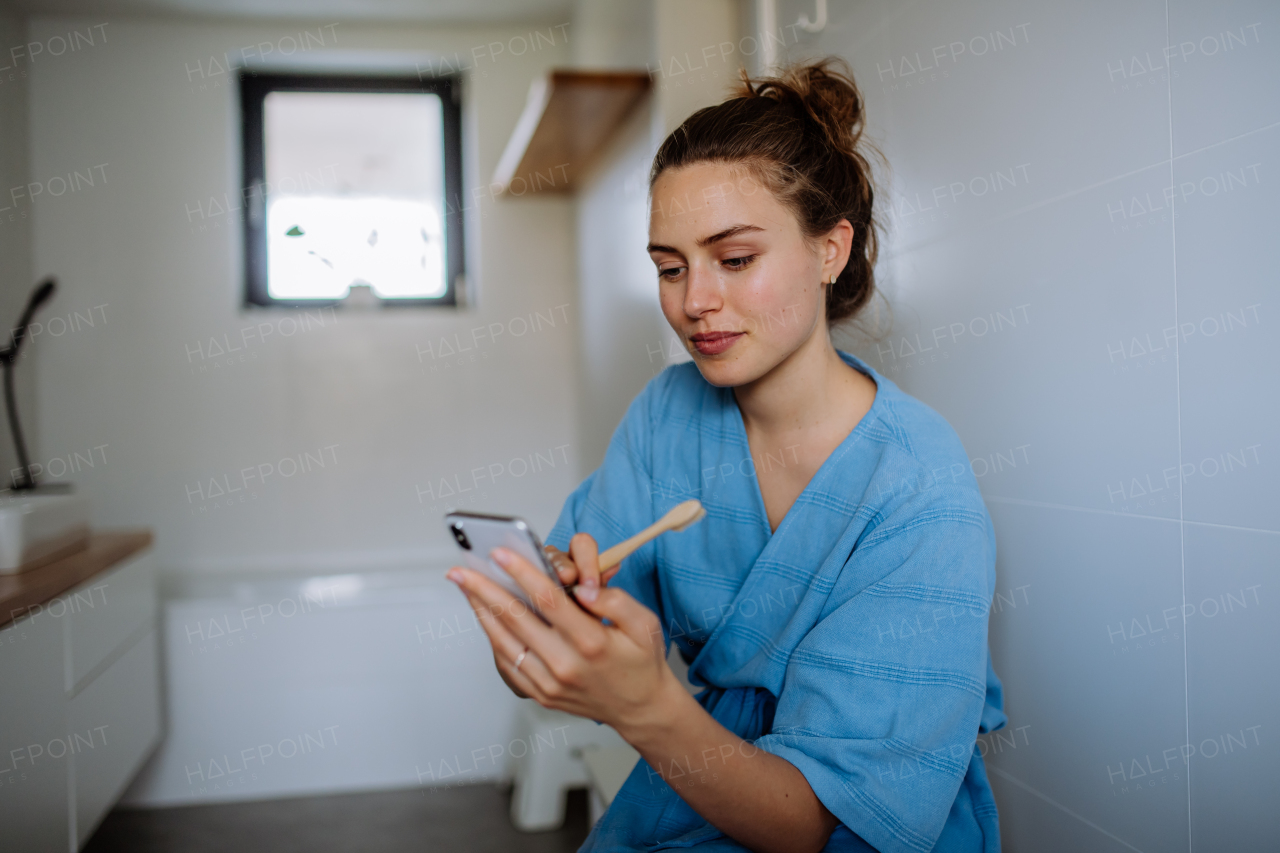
column 825, row 91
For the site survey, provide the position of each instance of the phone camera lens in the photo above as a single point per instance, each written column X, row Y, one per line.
column 460, row 536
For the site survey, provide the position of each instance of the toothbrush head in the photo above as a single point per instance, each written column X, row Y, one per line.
column 685, row 514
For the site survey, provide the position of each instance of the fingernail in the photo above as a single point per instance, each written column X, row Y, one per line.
column 501, row 555
column 587, row 592
column 454, row 575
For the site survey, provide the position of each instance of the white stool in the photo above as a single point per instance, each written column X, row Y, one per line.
column 554, row 763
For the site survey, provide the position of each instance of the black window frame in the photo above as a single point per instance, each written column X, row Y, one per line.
column 254, row 88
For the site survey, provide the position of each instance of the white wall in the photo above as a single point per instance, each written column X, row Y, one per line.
column 16, row 282
column 1094, row 322
column 616, row 284
column 368, row 394
column 696, row 56
column 390, row 423
column 625, row 339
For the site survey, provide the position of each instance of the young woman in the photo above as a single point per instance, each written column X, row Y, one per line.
column 833, row 602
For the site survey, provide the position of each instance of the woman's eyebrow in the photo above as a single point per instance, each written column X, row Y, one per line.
column 731, row 231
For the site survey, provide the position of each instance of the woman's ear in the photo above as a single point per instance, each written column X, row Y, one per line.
column 838, row 244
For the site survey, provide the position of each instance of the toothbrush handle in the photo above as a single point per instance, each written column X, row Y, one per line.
column 610, row 559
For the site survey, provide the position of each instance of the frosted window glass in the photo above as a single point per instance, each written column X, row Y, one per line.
column 354, row 194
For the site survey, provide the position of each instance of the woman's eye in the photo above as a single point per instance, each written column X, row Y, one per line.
column 668, row 273
column 739, row 263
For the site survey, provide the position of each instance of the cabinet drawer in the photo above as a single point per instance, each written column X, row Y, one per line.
column 104, row 612
column 117, row 718
column 34, row 759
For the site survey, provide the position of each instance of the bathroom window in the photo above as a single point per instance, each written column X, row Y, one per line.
column 352, row 189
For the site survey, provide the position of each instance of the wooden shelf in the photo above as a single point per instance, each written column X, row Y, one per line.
column 22, row 593
column 568, row 118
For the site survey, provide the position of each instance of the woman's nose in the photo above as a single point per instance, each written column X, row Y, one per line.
column 702, row 293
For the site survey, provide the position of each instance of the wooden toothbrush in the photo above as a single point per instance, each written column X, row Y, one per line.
column 678, row 517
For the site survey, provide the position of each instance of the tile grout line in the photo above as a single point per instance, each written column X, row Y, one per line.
column 1118, row 514
column 1177, row 386
column 1006, row 775
column 1229, row 139
column 1035, row 205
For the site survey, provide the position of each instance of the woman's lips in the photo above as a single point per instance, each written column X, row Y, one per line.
column 711, row 343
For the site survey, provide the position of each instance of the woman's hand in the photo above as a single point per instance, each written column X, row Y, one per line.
column 611, row 673
column 618, row 674
column 589, row 576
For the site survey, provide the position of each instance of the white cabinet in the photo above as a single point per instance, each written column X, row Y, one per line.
column 33, row 784
column 109, row 611
column 79, row 706
column 120, row 709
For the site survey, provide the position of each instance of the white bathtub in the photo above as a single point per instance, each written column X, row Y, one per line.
column 283, row 684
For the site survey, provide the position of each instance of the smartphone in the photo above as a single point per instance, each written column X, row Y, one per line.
column 479, row 533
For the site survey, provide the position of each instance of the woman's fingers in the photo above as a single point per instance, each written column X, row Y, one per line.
column 532, row 678
column 564, row 566
column 533, row 580
column 513, row 632
column 586, row 556
column 517, row 617
column 585, row 636
column 500, row 637
column 636, row 621
column 551, row 600
column 504, row 645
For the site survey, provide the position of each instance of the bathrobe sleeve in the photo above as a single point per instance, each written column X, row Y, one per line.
column 882, row 699
column 616, row 501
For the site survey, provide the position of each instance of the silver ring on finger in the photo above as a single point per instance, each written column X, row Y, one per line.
column 520, row 657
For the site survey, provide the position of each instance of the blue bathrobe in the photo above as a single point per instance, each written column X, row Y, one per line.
column 851, row 641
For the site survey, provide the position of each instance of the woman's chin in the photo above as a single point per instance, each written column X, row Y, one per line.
column 724, row 373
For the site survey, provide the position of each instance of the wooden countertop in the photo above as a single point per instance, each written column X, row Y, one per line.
column 45, row 583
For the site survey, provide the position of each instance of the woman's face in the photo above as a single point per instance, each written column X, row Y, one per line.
column 737, row 281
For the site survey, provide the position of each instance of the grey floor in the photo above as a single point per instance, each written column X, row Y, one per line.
column 470, row 819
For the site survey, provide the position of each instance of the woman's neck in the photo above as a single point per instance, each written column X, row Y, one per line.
column 811, row 387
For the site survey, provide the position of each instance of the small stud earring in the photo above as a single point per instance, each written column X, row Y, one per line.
column 833, row 279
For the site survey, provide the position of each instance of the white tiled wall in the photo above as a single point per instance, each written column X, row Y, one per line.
column 1082, row 264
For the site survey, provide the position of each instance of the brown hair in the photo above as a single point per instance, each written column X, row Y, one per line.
column 800, row 135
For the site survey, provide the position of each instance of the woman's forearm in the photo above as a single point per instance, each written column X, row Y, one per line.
column 758, row 799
